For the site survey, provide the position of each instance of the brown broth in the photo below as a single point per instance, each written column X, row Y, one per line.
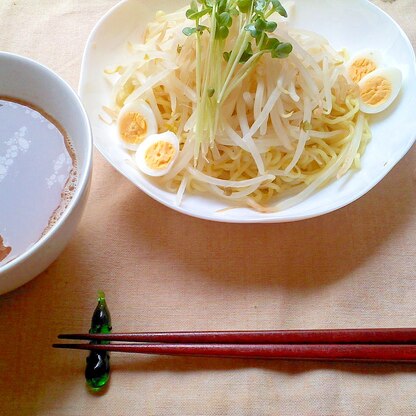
column 4, row 251
column 38, row 175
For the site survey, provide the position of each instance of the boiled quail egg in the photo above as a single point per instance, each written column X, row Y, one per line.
column 157, row 153
column 362, row 64
column 379, row 89
column 135, row 122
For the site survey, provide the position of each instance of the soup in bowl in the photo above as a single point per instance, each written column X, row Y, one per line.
column 45, row 167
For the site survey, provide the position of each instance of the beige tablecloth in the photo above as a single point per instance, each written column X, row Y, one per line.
column 165, row 271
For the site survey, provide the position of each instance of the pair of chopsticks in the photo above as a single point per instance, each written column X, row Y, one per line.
column 377, row 345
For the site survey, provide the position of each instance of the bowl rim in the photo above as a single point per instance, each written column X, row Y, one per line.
column 83, row 178
column 266, row 218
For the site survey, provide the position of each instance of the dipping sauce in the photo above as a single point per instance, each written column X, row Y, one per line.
column 38, row 175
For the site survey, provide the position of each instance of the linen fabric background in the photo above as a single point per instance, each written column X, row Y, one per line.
column 165, row 271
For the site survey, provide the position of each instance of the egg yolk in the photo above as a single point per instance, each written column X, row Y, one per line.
column 133, row 128
column 360, row 68
column 159, row 155
column 376, row 91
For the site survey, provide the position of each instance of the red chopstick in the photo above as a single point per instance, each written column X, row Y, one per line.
column 320, row 336
column 320, row 352
column 381, row 345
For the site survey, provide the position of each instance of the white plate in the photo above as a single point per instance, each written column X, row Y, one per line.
column 353, row 24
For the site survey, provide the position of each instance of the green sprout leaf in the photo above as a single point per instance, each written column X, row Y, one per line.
column 188, row 31
column 244, row 5
column 270, row 26
column 260, row 24
column 260, row 6
column 226, row 56
column 221, row 5
column 224, row 19
column 222, row 32
column 270, row 44
column 282, row 50
column 277, row 6
column 201, row 28
column 247, row 54
column 233, row 11
column 252, row 29
column 195, row 14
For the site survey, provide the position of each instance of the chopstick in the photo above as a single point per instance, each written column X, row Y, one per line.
column 380, row 345
column 320, row 352
column 324, row 336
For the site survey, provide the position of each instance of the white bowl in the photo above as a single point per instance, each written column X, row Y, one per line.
column 354, row 24
column 27, row 80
